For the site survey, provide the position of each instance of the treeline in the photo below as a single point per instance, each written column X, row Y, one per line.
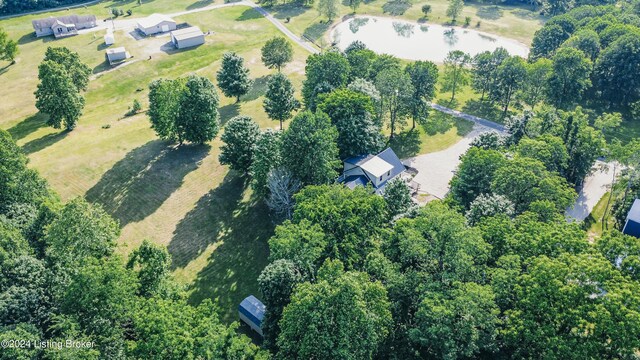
column 599, row 47
column 61, row 279
column 19, row 6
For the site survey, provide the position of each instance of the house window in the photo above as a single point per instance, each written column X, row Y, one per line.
column 380, row 178
column 388, row 172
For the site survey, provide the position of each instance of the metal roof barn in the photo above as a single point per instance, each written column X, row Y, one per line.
column 251, row 311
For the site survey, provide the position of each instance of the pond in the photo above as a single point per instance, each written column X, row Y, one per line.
column 415, row 41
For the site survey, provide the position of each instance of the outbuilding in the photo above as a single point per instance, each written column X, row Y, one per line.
column 109, row 39
column 251, row 311
column 187, row 37
column 632, row 225
column 156, row 23
column 116, row 54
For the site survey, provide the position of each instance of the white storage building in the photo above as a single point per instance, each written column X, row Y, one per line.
column 156, row 23
column 109, row 39
column 188, row 37
column 116, row 54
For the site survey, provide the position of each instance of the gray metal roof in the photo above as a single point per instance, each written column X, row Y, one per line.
column 187, row 33
column 69, row 19
column 154, row 20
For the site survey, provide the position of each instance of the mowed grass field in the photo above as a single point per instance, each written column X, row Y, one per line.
column 180, row 197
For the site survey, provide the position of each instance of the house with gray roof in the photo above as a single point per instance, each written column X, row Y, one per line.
column 62, row 26
column 632, row 224
column 187, row 37
column 376, row 170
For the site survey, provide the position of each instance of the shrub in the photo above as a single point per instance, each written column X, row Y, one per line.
column 426, row 9
column 467, row 21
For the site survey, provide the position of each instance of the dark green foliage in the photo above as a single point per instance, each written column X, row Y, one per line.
column 351, row 113
column 266, row 157
column 325, row 72
column 570, row 77
column 398, row 197
column 8, row 47
column 396, row 96
column 424, row 77
column 233, row 77
column 279, row 103
column 474, row 175
column 309, row 148
column 58, row 96
column 151, row 263
column 239, row 137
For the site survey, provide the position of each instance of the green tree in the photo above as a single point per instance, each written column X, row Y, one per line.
column 536, row 80
column 398, row 197
column 276, row 53
column 396, row 93
column 622, row 251
column 325, row 71
column 279, row 103
column 456, row 72
column 424, row 77
column 8, row 47
column 587, row 41
column 547, row 40
column 197, row 118
column 360, row 61
column 346, row 301
column 484, row 67
column 164, row 101
column 151, row 262
column 489, row 205
column 328, row 8
column 570, row 77
column 474, row 175
column 309, row 148
column 266, row 157
column 78, row 71
column 354, row 5
column 461, row 323
column 25, row 332
column 233, row 77
column 612, row 71
column 239, row 137
column 350, row 111
column 547, row 148
column 454, row 9
column 510, row 77
column 57, row 96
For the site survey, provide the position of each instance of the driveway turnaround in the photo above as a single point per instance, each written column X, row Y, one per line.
column 595, row 186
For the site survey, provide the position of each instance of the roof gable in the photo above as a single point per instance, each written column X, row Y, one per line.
column 634, row 213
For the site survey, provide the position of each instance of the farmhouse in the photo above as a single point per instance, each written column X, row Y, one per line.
column 251, row 311
column 187, row 37
column 632, row 225
column 116, row 54
column 376, row 170
column 156, row 23
column 63, row 25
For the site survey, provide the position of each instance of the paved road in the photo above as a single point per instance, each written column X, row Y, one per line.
column 479, row 121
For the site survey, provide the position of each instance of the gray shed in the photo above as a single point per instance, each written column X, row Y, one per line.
column 251, row 311
column 62, row 26
column 156, row 23
column 187, row 37
column 116, row 54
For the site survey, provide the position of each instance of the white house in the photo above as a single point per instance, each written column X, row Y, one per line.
column 187, row 37
column 62, row 26
column 376, row 170
column 156, row 23
column 116, row 54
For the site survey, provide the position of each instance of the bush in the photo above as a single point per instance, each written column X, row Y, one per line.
column 467, row 21
column 426, row 9
column 134, row 109
column 129, row 12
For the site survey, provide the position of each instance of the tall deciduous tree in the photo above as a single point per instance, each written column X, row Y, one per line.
column 309, row 148
column 279, row 102
column 350, row 111
column 266, row 157
column 424, row 77
column 456, row 72
column 396, row 93
column 197, row 119
column 570, row 77
column 510, row 77
column 617, row 68
column 325, row 72
column 58, row 96
column 239, row 137
column 151, row 262
column 8, row 47
column 474, row 175
column 455, row 9
column 164, row 102
column 328, row 8
column 77, row 70
column 276, row 53
column 535, row 83
column 233, row 77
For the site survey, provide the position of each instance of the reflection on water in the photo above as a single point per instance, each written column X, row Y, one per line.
column 356, row 23
column 403, row 29
column 433, row 42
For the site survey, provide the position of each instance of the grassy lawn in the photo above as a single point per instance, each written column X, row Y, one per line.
column 594, row 223
column 180, row 197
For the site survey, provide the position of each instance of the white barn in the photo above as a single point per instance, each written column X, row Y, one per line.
column 188, row 37
column 116, row 54
column 156, row 23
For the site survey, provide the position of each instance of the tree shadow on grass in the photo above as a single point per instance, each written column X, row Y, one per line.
column 438, row 123
column 406, row 144
column 199, row 4
column 228, row 112
column 489, row 12
column 239, row 230
column 259, row 88
column 136, row 186
column 287, row 11
column 250, row 14
column 316, row 31
column 28, row 126
column 396, row 7
column 36, row 145
column 483, row 110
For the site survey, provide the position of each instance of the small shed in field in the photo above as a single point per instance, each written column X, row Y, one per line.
column 251, row 311
column 116, row 54
column 187, row 37
column 109, row 39
column 632, row 225
column 156, row 23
